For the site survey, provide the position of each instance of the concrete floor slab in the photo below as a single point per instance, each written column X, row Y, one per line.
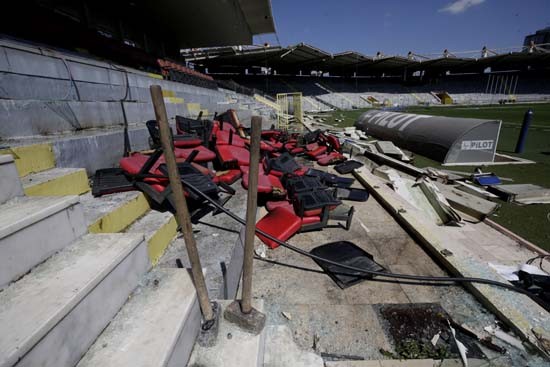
column 281, row 351
column 234, row 347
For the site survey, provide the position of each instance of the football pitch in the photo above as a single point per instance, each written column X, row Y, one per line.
column 530, row 221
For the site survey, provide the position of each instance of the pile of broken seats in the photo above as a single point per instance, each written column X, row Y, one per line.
column 212, row 154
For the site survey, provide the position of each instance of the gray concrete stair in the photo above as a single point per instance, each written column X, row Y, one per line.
column 156, row 327
column 51, row 316
column 10, row 184
column 34, row 228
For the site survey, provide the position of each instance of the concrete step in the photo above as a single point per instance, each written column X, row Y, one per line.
column 234, row 346
column 10, row 183
column 159, row 230
column 56, row 182
column 113, row 213
column 34, row 228
column 51, row 316
column 156, row 327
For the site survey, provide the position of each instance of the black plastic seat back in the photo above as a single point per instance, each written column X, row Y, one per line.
column 311, row 200
column 201, row 128
column 111, row 180
column 191, row 175
column 330, row 179
column 346, row 253
column 347, row 166
column 154, row 132
column 298, row 184
column 284, row 163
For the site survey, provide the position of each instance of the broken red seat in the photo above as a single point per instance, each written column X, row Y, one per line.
column 280, row 223
column 277, row 145
column 268, row 134
column 312, row 146
column 272, row 205
column 229, row 177
column 301, row 171
column 132, row 165
column 290, row 146
column 226, row 126
column 265, row 146
column 333, row 142
column 297, row 150
column 215, row 127
column 184, row 141
column 311, row 220
column 266, row 183
column 316, row 152
column 232, row 157
column 205, row 154
column 330, row 158
column 246, row 169
column 224, row 137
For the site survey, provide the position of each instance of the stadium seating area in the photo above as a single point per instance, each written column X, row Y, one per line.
column 179, row 73
column 322, row 93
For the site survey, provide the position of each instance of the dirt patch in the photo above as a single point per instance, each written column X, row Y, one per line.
column 413, row 326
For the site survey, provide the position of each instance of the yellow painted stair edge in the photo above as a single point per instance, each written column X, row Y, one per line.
column 159, row 242
column 75, row 183
column 120, row 218
column 32, row 158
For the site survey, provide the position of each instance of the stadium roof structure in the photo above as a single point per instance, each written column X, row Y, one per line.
column 305, row 58
column 208, row 23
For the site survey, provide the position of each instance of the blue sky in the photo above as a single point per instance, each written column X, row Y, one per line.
column 397, row 26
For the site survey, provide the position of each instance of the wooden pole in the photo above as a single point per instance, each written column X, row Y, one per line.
column 182, row 212
column 251, row 207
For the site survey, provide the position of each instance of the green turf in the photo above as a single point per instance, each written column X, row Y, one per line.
column 531, row 221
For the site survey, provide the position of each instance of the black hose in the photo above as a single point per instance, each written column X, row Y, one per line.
column 364, row 271
column 317, row 271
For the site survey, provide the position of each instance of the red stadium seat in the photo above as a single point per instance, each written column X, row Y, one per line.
column 223, row 137
column 279, row 223
column 205, row 155
column 266, row 183
column 318, row 151
column 232, row 156
column 187, row 142
column 229, row 177
column 330, row 158
column 311, row 220
column 333, row 142
column 272, row 205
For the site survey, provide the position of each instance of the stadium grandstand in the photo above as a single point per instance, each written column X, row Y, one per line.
column 350, row 80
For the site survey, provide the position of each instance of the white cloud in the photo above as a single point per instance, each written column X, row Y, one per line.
column 460, row 6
